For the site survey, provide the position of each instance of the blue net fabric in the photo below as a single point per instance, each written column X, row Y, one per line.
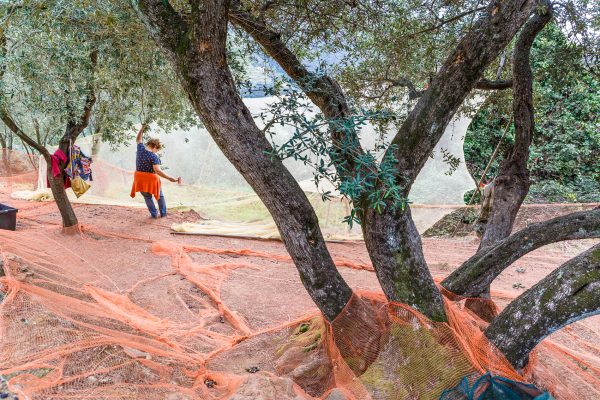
column 488, row 387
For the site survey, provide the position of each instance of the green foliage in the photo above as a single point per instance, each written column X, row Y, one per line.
column 566, row 147
column 373, row 186
column 49, row 72
column 468, row 194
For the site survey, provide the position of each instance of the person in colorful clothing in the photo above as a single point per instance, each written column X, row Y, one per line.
column 147, row 174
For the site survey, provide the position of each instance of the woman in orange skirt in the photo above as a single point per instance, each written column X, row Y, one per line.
column 147, row 174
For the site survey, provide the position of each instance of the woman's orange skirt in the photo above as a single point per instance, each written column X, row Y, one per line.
column 146, row 182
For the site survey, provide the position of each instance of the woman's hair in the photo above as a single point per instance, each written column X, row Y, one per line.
column 154, row 143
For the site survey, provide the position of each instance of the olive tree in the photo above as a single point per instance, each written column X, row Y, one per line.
column 193, row 37
column 72, row 67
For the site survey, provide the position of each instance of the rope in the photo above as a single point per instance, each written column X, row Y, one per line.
column 486, row 170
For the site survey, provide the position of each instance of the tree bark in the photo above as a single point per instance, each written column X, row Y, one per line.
column 512, row 183
column 477, row 273
column 197, row 51
column 403, row 274
column 394, row 245
column 570, row 293
column 4, row 153
column 393, row 242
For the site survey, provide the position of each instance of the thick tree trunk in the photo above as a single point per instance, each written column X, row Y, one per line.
column 69, row 219
column 5, row 161
column 477, row 273
column 570, row 293
column 399, row 255
column 198, row 54
column 512, row 183
column 394, row 245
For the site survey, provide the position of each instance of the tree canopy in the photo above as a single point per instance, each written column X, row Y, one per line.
column 49, row 71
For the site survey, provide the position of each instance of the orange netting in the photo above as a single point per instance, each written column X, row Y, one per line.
column 18, row 170
column 106, row 314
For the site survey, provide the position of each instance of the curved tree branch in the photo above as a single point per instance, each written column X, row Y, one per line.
column 478, row 272
column 570, row 293
column 511, row 185
column 501, row 84
column 321, row 89
column 391, row 238
column 413, row 93
column 12, row 125
column 459, row 74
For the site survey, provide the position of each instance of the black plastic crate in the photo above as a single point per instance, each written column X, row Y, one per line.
column 8, row 217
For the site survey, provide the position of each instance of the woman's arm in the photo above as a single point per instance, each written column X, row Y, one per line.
column 161, row 173
column 138, row 138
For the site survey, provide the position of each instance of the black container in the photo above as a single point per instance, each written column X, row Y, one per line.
column 8, row 217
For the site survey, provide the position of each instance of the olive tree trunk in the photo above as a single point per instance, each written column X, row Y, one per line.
column 5, row 160
column 475, row 275
column 398, row 252
column 570, row 293
column 512, row 183
column 196, row 49
column 75, row 126
column 67, row 214
column 65, row 208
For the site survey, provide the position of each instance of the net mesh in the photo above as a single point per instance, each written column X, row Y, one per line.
column 115, row 313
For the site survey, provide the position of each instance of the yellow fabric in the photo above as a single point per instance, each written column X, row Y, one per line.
column 79, row 186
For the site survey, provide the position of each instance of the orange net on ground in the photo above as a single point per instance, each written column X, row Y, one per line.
column 106, row 314
column 18, row 170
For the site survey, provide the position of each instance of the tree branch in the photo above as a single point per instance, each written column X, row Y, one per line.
column 568, row 294
column 444, row 22
column 413, row 93
column 201, row 65
column 511, row 185
column 172, row 28
column 459, row 74
column 501, row 84
column 76, row 126
column 476, row 274
column 12, row 125
column 322, row 90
